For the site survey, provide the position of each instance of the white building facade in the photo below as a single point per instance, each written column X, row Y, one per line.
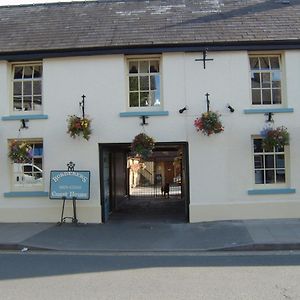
column 229, row 175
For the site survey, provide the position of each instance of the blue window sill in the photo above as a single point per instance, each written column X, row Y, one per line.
column 268, row 110
column 144, row 113
column 272, row 191
column 26, row 194
column 21, row 117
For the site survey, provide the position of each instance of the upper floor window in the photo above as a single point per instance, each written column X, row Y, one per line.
column 144, row 82
column 269, row 166
column 27, row 87
column 29, row 176
column 266, row 80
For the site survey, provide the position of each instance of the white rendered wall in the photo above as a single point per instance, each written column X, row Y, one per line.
column 221, row 166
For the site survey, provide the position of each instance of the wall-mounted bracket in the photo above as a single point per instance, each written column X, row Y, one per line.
column 270, row 117
column 207, row 102
column 82, row 104
column 144, row 120
column 24, row 124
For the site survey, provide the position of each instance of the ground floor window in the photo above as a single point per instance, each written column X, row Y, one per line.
column 29, row 175
column 269, row 166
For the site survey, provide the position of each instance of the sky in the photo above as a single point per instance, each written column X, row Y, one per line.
column 18, row 2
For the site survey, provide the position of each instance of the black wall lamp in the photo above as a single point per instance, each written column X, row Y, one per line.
column 182, row 109
column 231, row 109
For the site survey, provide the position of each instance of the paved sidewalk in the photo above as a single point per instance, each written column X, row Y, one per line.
column 283, row 234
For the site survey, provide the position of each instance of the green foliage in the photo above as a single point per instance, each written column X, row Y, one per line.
column 278, row 137
column 209, row 123
column 79, row 126
column 142, row 145
column 20, row 152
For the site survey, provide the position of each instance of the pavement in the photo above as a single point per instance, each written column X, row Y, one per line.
column 275, row 234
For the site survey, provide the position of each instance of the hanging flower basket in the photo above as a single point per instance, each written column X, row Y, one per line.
column 278, row 137
column 142, row 145
column 20, row 152
column 79, row 127
column 209, row 123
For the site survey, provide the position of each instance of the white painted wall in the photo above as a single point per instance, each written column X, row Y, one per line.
column 221, row 166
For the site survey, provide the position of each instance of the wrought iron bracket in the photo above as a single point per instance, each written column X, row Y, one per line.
column 207, row 102
column 24, row 124
column 144, row 120
column 270, row 117
column 82, row 104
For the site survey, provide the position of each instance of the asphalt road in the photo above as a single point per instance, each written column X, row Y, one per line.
column 48, row 275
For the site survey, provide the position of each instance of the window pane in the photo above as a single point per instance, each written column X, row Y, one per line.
column 28, row 72
column 37, row 72
column 264, row 63
column 18, row 72
column 276, row 78
column 157, row 97
column 276, row 94
column 17, row 103
column 270, row 176
column 259, row 177
column 154, row 66
column 280, row 161
column 269, row 161
column 258, row 145
column 144, row 67
column 134, row 99
column 274, row 62
column 256, row 97
column 133, row 67
column 266, row 96
column 255, row 80
column 38, row 149
column 17, row 88
column 254, row 63
column 258, row 161
column 266, row 80
column 27, row 88
column 133, row 83
column 151, row 98
column 37, row 87
column 144, row 99
column 27, row 103
column 155, row 82
column 144, row 83
column 280, row 176
column 37, row 102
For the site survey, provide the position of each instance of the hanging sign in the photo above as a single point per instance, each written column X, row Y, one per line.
column 70, row 185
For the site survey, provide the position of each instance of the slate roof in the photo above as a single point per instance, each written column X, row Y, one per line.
column 130, row 23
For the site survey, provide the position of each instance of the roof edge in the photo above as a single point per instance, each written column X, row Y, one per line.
column 153, row 49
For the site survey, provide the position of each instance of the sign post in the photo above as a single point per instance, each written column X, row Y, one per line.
column 72, row 185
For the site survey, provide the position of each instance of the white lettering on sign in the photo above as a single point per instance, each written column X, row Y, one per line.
column 76, row 174
column 60, row 195
column 78, row 195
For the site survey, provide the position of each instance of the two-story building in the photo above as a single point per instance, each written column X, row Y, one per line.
column 152, row 67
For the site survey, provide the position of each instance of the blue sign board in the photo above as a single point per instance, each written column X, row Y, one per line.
column 70, row 185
